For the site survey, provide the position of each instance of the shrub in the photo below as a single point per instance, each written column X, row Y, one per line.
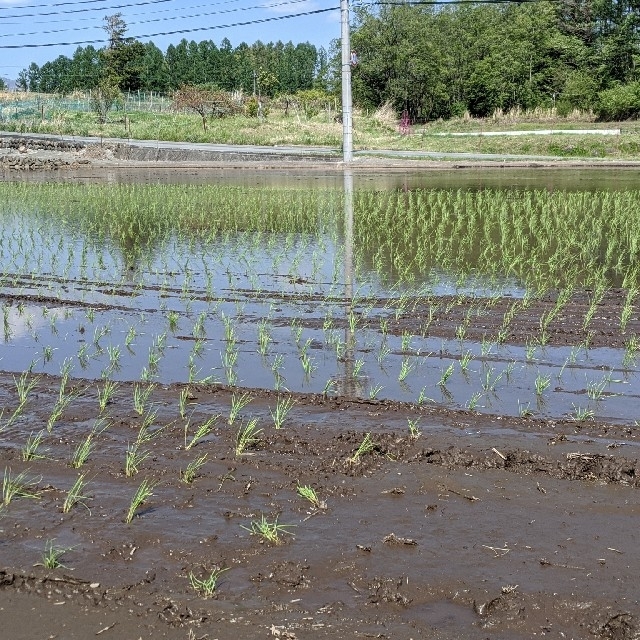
column 619, row 103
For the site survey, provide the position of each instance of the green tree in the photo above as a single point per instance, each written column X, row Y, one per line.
column 123, row 58
column 154, row 75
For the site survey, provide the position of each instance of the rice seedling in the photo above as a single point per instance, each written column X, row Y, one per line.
column 269, row 531
column 133, row 459
column 238, row 402
column 105, row 394
column 542, row 383
column 47, row 354
column 307, row 364
column 114, row 356
column 631, row 348
column 485, row 346
column 445, row 375
column 309, row 493
column 465, row 359
column 208, row 585
column 201, row 432
column 524, row 410
column 51, row 556
column 85, row 447
column 6, row 322
column 627, row 309
column 357, row 367
column 581, row 414
column 366, row 446
column 142, row 494
column 283, row 406
column 473, row 401
column 24, row 386
column 141, row 394
column 31, row 449
column 247, row 436
column 193, row 468
column 83, row 355
column 264, row 337
column 173, row 317
column 98, row 334
column 329, row 386
column 414, row 432
column 406, row 367
column 595, row 389
column 374, row 391
column 422, row 397
column 130, row 337
column 145, row 434
column 489, row 383
column 74, row 495
column 19, row 486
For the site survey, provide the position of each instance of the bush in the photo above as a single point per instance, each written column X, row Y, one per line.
column 620, row 103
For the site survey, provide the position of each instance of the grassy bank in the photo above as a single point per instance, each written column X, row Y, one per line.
column 378, row 130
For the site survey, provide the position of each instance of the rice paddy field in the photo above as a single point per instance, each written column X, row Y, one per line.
column 345, row 405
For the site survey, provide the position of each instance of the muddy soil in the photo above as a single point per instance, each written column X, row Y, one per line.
column 481, row 526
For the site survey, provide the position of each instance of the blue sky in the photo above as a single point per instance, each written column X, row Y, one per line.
column 29, row 22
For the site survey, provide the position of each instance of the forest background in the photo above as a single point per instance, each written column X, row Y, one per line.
column 432, row 61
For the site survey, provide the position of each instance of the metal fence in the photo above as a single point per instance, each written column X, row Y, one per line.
column 29, row 106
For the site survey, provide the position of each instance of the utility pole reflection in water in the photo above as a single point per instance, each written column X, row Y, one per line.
column 349, row 382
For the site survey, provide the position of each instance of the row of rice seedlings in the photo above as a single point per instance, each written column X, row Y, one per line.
column 307, row 363
column 562, row 217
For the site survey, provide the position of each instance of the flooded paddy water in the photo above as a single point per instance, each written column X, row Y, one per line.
column 449, row 359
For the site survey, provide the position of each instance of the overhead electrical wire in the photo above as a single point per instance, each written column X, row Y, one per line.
column 194, row 15
column 228, row 26
column 143, row 13
column 174, row 32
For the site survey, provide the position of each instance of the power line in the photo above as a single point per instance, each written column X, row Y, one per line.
column 143, row 13
column 175, row 32
column 56, row 13
column 195, row 15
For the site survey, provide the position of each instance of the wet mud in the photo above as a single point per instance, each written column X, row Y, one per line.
column 478, row 527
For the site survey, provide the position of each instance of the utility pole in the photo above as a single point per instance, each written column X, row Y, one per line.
column 347, row 131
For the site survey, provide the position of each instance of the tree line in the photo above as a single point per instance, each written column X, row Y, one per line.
column 430, row 61
column 130, row 65
column 438, row 62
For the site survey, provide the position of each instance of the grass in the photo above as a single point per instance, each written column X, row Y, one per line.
column 269, row 531
column 368, row 132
